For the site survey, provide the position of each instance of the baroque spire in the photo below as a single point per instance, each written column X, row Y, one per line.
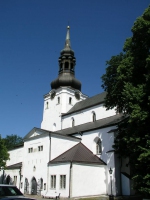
column 67, row 62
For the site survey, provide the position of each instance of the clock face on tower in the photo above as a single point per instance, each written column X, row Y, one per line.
column 53, row 93
column 77, row 95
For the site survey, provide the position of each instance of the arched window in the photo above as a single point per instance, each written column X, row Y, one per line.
column 61, row 67
column 26, row 186
column 93, row 116
column 47, row 105
column 72, row 122
column 99, row 147
column 41, row 183
column 8, row 180
column 66, row 65
column 58, row 100
column 72, row 66
column 70, row 100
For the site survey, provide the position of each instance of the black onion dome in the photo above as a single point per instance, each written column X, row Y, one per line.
column 66, row 79
column 67, row 61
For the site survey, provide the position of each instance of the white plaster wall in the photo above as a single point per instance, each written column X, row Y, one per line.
column 88, row 180
column 39, row 159
column 85, row 116
column 16, row 156
column 108, row 157
column 52, row 114
column 107, row 139
column 60, row 169
column 52, row 147
column 60, row 144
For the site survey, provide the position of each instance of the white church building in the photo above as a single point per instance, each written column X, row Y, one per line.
column 72, row 152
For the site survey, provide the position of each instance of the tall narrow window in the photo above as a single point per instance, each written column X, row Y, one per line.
column 40, row 148
column 41, row 183
column 62, row 181
column 8, row 180
column 15, row 180
column 99, row 147
column 30, row 150
column 53, row 181
column 66, row 65
column 72, row 122
column 93, row 117
column 70, row 100
column 61, row 67
column 72, row 66
column 58, row 100
column 47, row 105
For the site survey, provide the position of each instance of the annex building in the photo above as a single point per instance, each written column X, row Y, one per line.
column 72, row 152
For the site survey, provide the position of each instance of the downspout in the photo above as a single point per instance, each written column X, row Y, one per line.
column 48, row 160
column 70, row 180
column 49, row 146
column 3, row 177
column 19, row 178
column 61, row 121
column 121, row 177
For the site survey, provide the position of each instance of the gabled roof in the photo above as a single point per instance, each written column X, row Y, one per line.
column 41, row 132
column 89, row 102
column 101, row 123
column 78, row 154
column 15, row 166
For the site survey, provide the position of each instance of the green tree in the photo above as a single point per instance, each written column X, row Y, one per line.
column 127, row 82
column 4, row 155
column 12, row 140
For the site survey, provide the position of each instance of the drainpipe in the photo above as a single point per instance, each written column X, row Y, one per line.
column 61, row 121
column 19, row 178
column 120, row 177
column 70, row 180
column 49, row 146
column 3, row 177
column 48, row 160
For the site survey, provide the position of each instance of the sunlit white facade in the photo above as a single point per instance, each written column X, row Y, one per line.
column 72, row 152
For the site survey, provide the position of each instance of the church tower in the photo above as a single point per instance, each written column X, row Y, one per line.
column 65, row 90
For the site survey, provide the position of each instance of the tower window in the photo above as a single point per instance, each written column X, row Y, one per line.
column 93, row 116
column 58, row 100
column 66, row 65
column 47, row 105
column 99, row 147
column 73, row 122
column 61, row 67
column 70, row 100
column 72, row 66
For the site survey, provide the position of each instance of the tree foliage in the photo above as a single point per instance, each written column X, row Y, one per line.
column 127, row 82
column 4, row 155
column 11, row 141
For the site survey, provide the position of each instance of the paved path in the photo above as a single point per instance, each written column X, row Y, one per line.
column 38, row 197
column 103, row 197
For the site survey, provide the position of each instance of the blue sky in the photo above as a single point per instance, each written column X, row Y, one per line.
column 32, row 34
